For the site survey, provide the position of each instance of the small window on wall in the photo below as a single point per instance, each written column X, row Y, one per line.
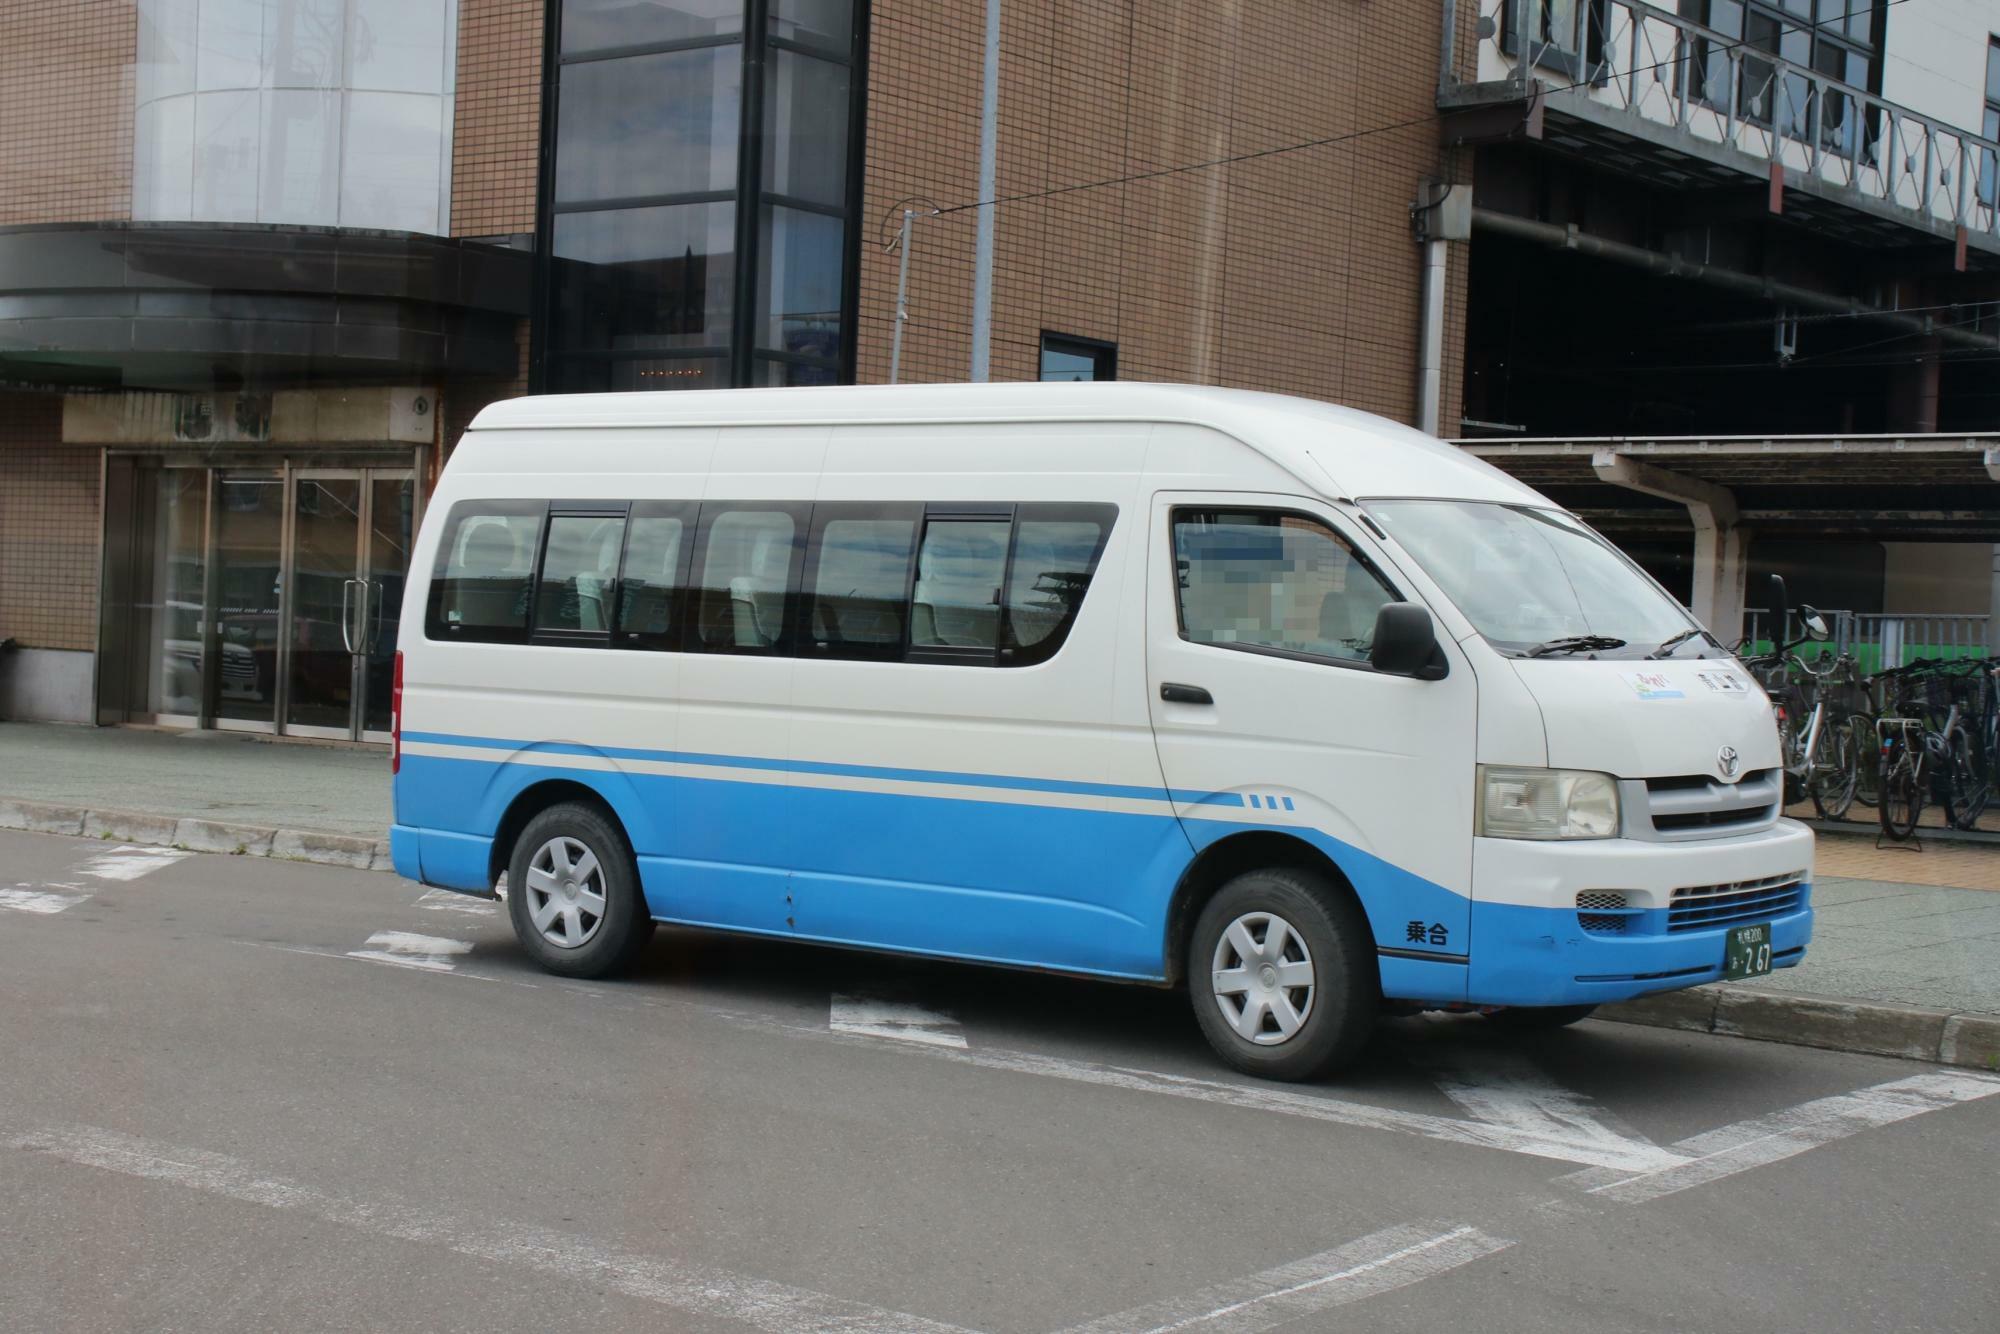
column 1067, row 358
column 485, row 572
column 748, row 568
column 1268, row 580
column 579, row 574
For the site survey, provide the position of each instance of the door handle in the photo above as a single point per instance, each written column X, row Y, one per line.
column 347, row 612
column 1174, row 693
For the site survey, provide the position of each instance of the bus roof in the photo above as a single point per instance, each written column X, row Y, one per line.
column 1362, row 454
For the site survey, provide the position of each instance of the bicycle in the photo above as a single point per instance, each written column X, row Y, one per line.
column 1919, row 760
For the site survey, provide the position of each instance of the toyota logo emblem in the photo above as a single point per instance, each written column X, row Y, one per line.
column 1727, row 760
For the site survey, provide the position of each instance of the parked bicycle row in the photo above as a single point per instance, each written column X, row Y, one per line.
column 1894, row 740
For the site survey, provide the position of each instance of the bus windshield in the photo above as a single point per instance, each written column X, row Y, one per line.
column 1536, row 582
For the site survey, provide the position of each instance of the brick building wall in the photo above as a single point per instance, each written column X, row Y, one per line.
column 66, row 103
column 496, row 127
column 48, row 528
column 1293, row 270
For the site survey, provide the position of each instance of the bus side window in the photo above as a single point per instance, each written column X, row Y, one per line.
column 654, row 572
column 485, row 571
column 959, row 572
column 749, row 567
column 1056, row 550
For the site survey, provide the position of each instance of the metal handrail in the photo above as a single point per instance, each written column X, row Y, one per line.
column 1632, row 56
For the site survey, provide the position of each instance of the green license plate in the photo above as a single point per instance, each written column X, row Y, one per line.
column 1748, row 953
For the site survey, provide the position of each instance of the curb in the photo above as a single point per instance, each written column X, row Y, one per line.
column 1875, row 1028
column 298, row 845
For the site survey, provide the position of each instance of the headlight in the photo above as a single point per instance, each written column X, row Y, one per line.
column 1546, row 803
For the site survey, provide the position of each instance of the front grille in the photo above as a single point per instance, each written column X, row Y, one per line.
column 1603, row 911
column 1701, row 907
column 1691, row 805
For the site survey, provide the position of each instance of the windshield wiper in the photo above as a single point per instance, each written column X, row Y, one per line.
column 1573, row 644
column 1667, row 646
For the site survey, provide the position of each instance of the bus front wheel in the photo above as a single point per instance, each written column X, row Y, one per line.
column 573, row 893
column 1281, row 971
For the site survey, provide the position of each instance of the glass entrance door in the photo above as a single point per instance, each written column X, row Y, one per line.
column 351, row 533
column 245, row 591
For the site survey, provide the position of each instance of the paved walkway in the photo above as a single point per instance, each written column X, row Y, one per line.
column 1894, row 926
column 227, row 777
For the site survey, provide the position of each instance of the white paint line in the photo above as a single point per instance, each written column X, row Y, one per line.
column 893, row 1019
column 30, row 898
column 449, row 900
column 1506, row 1089
column 1380, row 1262
column 406, row 949
column 1768, row 1139
column 129, row 863
column 698, row 1289
column 1263, row 1098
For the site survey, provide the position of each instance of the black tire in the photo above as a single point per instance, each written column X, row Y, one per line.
column 1833, row 785
column 1540, row 1018
column 1339, row 1008
column 610, row 940
column 1966, row 793
column 1902, row 801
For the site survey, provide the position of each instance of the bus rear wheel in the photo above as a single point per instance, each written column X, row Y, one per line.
column 1281, row 972
column 573, row 893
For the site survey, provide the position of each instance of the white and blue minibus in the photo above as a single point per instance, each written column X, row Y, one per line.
column 1285, row 703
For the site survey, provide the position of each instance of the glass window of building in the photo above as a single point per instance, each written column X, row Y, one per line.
column 697, row 208
column 1068, row 358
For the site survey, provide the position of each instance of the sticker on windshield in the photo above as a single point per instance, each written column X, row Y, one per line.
column 1653, row 685
column 1723, row 683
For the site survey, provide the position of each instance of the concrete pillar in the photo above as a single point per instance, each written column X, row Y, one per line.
column 1913, row 389
column 1721, row 542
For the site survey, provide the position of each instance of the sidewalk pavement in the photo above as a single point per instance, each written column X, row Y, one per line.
column 1905, row 957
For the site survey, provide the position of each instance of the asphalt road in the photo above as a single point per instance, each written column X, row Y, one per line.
column 238, row 1094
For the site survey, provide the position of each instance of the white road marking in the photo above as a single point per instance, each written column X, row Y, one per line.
column 406, row 949
column 1380, row 1262
column 698, row 1289
column 39, row 899
column 129, row 863
column 1504, row 1088
column 893, row 1019
column 1716, row 1154
column 448, row 900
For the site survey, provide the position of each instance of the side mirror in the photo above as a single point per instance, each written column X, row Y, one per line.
column 1406, row 643
column 1814, row 622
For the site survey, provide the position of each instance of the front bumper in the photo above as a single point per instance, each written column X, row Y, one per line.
column 1532, row 946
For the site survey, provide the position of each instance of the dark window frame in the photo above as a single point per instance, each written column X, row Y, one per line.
column 1354, row 549
column 678, row 599
column 1103, row 355
column 1013, row 653
column 1821, row 37
column 795, row 639
column 436, row 628
column 742, row 356
column 809, row 645
column 576, row 509
column 785, row 645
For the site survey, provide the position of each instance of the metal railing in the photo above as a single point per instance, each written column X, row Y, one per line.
column 1883, row 640
column 1626, row 56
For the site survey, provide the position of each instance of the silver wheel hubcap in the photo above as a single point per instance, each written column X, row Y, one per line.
column 1262, row 976
column 565, row 893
